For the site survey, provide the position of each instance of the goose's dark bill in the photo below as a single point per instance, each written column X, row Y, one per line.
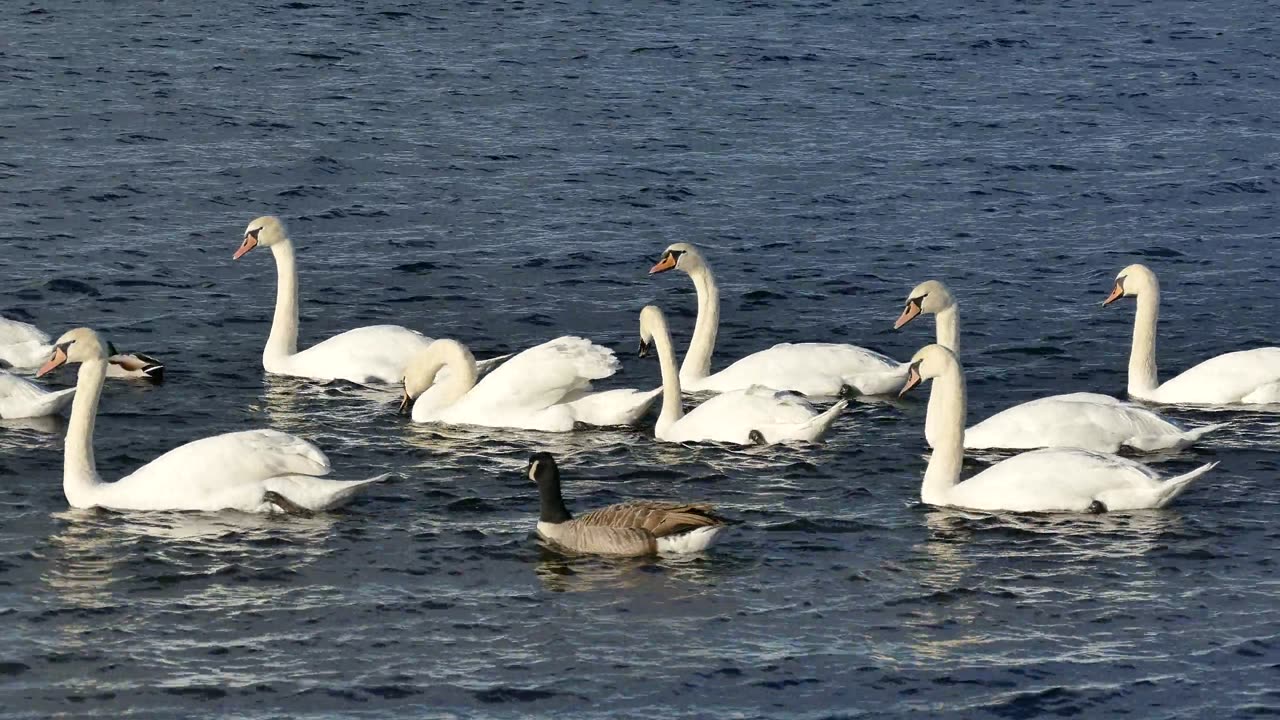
column 1117, row 292
column 913, row 378
column 250, row 242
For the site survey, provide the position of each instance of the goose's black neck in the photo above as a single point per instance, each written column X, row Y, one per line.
column 543, row 471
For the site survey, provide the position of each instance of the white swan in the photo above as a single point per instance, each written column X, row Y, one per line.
column 1085, row 420
column 639, row 527
column 756, row 415
column 251, row 471
column 542, row 388
column 376, row 353
column 21, row 398
column 815, row 369
column 1052, row 480
column 1244, row 377
column 26, row 347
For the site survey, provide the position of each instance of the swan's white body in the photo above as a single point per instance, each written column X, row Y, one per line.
column 730, row 417
column 26, row 347
column 22, row 345
column 1050, row 480
column 1082, row 420
column 225, row 472
column 378, row 353
column 543, row 388
column 20, row 398
column 1245, row 377
column 814, row 369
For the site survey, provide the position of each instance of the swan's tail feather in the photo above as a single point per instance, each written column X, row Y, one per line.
column 1194, row 434
column 484, row 367
column 52, row 404
column 1173, row 487
column 813, row 430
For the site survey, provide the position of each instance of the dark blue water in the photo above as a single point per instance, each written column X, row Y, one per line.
column 503, row 173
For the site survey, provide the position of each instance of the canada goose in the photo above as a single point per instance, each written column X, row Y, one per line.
column 639, row 527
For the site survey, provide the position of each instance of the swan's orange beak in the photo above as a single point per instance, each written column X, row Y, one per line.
column 909, row 313
column 55, row 362
column 667, row 262
column 406, row 403
column 250, row 242
column 913, row 379
column 1117, row 292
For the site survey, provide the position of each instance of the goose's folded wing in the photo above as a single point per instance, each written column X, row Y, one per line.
column 658, row 518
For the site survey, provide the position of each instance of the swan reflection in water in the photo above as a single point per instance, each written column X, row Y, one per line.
column 100, row 556
column 972, row 563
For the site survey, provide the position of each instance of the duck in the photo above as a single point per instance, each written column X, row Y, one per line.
column 755, row 415
column 812, row 369
column 25, row 347
column 1070, row 480
column 1092, row 421
column 21, row 398
column 545, row 388
column 630, row 529
column 372, row 354
column 253, row 471
column 1245, row 377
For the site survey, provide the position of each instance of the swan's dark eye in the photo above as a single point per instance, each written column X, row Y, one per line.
column 65, row 346
column 253, row 233
column 918, row 301
column 674, row 255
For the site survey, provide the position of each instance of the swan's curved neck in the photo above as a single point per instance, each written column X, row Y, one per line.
column 947, row 401
column 1143, row 374
column 697, row 359
column 283, row 341
column 80, row 480
column 422, row 372
column 947, row 328
column 672, row 409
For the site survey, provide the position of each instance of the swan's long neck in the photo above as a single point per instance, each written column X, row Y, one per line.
column 697, row 359
column 1143, row 375
column 672, row 407
column 422, row 372
column 948, row 329
column 80, row 481
column 947, row 402
column 283, row 341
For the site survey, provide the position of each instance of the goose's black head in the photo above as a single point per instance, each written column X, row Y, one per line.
column 543, row 471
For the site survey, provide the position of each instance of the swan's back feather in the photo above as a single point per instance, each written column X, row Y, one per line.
column 1227, row 378
column 1084, row 420
column 816, row 369
column 204, row 465
column 21, row 398
column 1062, row 479
column 543, row 375
column 376, row 353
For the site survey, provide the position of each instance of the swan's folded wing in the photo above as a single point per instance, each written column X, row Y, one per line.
column 1054, row 479
column 1227, row 378
column 816, row 369
column 207, row 464
column 374, row 353
column 544, row 375
column 13, row 332
column 20, row 398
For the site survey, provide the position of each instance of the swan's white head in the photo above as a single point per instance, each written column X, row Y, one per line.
column 1132, row 282
column 76, row 346
column 930, row 296
column 420, row 373
column 928, row 363
column 652, row 322
column 265, row 231
column 681, row 256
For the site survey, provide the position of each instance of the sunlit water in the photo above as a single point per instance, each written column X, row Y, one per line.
column 504, row 173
